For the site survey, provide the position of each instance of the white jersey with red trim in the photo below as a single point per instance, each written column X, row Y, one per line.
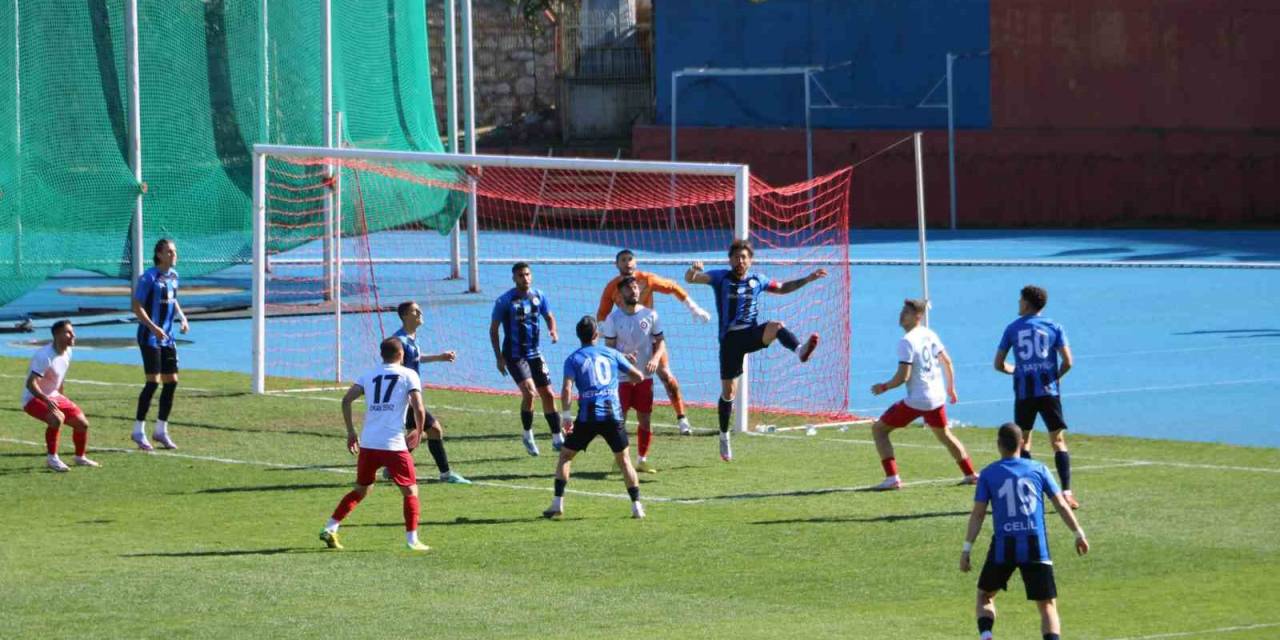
column 634, row 332
column 52, row 369
column 920, row 348
column 386, row 395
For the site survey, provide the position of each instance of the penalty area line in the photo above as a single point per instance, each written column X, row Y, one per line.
column 1189, row 634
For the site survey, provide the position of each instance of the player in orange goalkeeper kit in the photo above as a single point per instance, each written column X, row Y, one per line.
column 625, row 261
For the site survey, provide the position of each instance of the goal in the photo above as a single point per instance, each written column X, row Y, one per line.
column 342, row 236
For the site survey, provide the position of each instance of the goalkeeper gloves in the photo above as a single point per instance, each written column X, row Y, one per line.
column 698, row 313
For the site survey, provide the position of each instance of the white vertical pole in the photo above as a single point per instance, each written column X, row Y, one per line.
column 920, row 222
column 135, row 131
column 264, row 115
column 327, row 114
column 951, row 136
column 17, row 98
column 451, row 102
column 808, row 129
column 469, row 115
column 337, row 263
column 259, row 273
column 742, row 231
column 671, row 211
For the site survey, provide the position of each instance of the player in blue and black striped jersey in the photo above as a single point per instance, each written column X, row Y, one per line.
column 737, row 293
column 517, row 312
column 596, row 371
column 1014, row 488
column 410, row 321
column 155, row 305
column 1041, row 356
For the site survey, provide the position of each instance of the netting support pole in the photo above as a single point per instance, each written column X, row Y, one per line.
column 259, row 273
column 451, row 121
column 742, row 231
column 327, row 114
column 920, row 223
column 17, row 100
column 264, row 114
column 469, row 118
column 337, row 264
column 951, row 135
column 135, row 133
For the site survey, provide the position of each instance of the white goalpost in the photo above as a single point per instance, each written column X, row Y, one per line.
column 382, row 246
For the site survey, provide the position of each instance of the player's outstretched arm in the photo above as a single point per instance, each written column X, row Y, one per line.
column 353, row 443
column 1069, row 517
column 976, row 517
column 443, row 356
column 695, row 275
column 1000, row 364
column 792, row 285
column 899, row 377
column 1065, row 354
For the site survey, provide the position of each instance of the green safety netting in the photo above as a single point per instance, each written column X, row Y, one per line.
column 66, row 190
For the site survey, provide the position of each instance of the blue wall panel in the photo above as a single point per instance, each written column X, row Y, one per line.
column 895, row 53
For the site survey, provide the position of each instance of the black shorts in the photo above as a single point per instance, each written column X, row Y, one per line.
column 1049, row 408
column 613, row 432
column 522, row 369
column 736, row 344
column 428, row 422
column 1037, row 577
column 159, row 360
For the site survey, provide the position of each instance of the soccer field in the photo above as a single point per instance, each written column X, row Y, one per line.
column 218, row 539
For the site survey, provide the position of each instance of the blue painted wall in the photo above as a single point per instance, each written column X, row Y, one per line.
column 896, row 50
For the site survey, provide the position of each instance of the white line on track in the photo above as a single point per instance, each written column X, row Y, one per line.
column 1189, row 634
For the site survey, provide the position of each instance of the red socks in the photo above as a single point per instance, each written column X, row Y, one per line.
column 81, row 439
column 411, row 511
column 966, row 466
column 346, row 504
column 645, row 435
column 51, row 440
column 890, row 467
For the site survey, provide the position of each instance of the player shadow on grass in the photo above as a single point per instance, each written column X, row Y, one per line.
column 460, row 521
column 276, row 487
column 228, row 552
column 887, row 518
column 335, row 434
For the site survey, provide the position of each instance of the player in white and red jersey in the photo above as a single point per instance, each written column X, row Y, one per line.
column 633, row 329
column 42, row 397
column 923, row 364
column 390, row 390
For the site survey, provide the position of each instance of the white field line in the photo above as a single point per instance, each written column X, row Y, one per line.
column 1189, row 634
column 99, row 383
column 1187, row 465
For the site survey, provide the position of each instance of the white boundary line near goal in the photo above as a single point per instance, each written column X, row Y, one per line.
column 1188, row 634
column 850, row 441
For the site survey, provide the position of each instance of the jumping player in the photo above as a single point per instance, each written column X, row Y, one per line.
column 1038, row 343
column 650, row 283
column 390, row 390
column 922, row 364
column 517, row 312
column 410, row 320
column 596, row 372
column 633, row 329
column 155, row 305
column 42, row 397
column 1013, row 488
column 737, row 292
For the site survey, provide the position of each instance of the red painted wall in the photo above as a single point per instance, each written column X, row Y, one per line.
column 1135, row 63
column 1019, row 178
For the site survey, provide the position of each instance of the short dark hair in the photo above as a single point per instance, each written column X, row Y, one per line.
column 155, row 250
column 917, row 305
column 625, row 281
column 624, row 252
column 404, row 307
column 1035, row 296
column 518, row 266
column 1009, row 437
column 586, row 329
column 389, row 348
column 741, row 245
column 57, row 326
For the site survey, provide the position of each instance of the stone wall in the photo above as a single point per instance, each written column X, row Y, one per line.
column 515, row 68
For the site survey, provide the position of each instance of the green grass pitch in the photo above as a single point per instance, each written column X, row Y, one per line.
column 218, row 539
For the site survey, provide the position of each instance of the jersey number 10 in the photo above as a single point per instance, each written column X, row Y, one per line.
column 600, row 370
